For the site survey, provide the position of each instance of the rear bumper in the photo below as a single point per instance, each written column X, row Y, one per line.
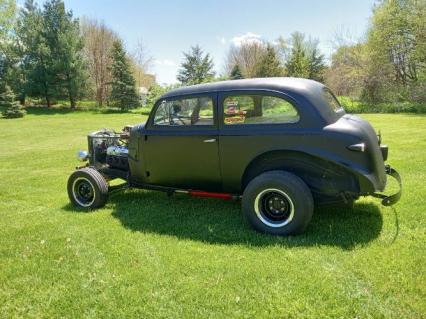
column 389, row 200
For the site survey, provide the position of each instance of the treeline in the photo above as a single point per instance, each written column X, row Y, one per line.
column 297, row 57
column 389, row 65
column 48, row 54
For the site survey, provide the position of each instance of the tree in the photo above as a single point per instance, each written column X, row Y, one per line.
column 347, row 74
column 236, row 73
column 141, row 63
column 297, row 64
column 316, row 65
column 392, row 38
column 36, row 56
column 98, row 41
column 248, row 57
column 12, row 108
column 196, row 67
column 123, row 91
column 156, row 91
column 397, row 45
column 62, row 34
column 270, row 64
column 7, row 17
column 47, row 54
column 304, row 59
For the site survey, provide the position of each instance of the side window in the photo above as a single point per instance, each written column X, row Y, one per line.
column 258, row 109
column 185, row 112
column 332, row 100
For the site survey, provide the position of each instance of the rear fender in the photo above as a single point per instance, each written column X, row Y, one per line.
column 324, row 178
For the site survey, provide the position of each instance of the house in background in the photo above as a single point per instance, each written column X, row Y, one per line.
column 143, row 94
column 145, row 81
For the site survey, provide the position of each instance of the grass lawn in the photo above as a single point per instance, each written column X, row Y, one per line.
column 148, row 256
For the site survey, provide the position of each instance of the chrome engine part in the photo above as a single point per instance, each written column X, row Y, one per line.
column 116, row 157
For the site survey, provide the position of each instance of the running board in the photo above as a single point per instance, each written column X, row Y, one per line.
column 190, row 192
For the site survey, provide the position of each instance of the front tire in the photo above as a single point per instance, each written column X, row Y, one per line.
column 278, row 203
column 87, row 188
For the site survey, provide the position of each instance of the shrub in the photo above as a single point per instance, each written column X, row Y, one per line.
column 356, row 106
column 12, row 108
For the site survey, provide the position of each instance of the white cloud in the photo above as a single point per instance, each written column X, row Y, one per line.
column 222, row 40
column 165, row 62
column 165, row 70
column 249, row 37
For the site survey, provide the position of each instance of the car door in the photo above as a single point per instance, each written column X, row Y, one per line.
column 181, row 143
column 252, row 123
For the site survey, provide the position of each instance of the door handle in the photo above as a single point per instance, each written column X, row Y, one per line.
column 212, row 140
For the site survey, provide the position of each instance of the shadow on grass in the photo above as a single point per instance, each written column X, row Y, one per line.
column 221, row 222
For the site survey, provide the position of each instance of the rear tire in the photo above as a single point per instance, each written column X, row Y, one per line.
column 278, row 203
column 87, row 188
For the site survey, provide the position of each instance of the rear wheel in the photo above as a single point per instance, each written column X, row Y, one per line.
column 278, row 202
column 87, row 188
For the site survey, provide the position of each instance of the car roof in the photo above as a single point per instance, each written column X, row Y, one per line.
column 283, row 84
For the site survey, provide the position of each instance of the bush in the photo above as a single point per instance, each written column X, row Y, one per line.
column 12, row 108
column 156, row 91
column 355, row 106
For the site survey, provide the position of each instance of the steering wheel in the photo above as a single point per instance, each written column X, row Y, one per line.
column 179, row 118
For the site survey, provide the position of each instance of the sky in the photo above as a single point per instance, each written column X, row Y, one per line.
column 168, row 28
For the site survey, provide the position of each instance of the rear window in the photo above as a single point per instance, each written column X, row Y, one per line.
column 258, row 109
column 332, row 100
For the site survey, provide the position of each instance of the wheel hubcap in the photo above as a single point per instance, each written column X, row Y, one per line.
column 274, row 207
column 83, row 192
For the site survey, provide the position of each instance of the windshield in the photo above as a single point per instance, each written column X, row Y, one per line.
column 332, row 100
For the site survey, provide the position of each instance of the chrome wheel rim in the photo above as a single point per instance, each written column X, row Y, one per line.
column 274, row 207
column 83, row 191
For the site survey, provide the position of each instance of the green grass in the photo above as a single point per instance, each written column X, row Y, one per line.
column 148, row 256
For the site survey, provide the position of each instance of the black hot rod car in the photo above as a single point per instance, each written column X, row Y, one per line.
column 282, row 145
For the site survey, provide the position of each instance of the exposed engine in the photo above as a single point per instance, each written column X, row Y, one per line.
column 116, row 157
column 109, row 148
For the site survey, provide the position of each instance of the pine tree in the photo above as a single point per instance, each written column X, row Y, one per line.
column 62, row 34
column 196, row 68
column 123, row 90
column 49, row 47
column 305, row 59
column 12, row 108
column 270, row 65
column 316, row 61
column 236, row 73
column 297, row 64
column 36, row 56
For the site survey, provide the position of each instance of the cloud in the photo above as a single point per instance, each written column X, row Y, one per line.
column 222, row 40
column 249, row 37
column 165, row 62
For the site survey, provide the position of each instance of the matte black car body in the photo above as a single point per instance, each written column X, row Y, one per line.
column 338, row 156
column 315, row 148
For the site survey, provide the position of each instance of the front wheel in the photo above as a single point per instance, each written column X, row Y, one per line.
column 278, row 203
column 87, row 188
